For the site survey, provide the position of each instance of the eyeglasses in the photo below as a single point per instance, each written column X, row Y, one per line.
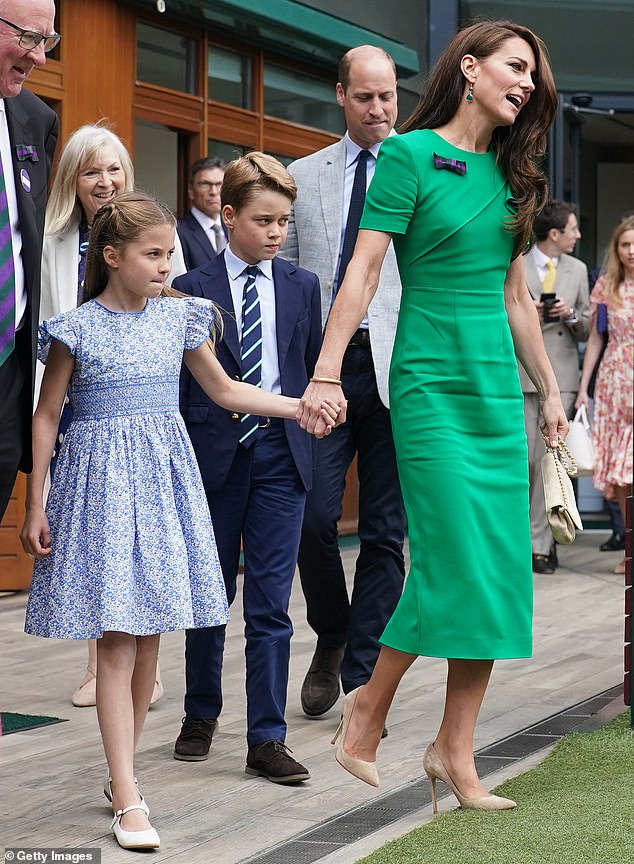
column 29, row 39
column 207, row 185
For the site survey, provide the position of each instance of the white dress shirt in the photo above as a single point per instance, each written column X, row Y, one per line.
column 266, row 292
column 207, row 224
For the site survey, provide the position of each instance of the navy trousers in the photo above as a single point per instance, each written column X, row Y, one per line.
column 337, row 619
column 261, row 503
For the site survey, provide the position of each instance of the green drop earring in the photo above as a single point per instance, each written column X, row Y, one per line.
column 469, row 96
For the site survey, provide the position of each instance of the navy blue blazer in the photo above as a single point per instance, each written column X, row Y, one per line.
column 197, row 248
column 214, row 430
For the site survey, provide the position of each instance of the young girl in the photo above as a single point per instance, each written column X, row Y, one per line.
column 130, row 551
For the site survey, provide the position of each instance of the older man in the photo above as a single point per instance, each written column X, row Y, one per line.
column 28, row 135
column 322, row 233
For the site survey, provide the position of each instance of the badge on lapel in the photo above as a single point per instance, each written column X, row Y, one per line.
column 25, row 180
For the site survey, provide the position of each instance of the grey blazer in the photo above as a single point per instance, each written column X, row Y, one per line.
column 561, row 338
column 313, row 242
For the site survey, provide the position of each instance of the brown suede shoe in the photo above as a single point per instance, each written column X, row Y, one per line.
column 272, row 760
column 320, row 689
column 194, row 740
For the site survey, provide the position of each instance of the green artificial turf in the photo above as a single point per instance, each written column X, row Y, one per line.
column 576, row 807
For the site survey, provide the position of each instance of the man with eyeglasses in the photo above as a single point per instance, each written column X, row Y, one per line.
column 201, row 231
column 558, row 283
column 28, row 135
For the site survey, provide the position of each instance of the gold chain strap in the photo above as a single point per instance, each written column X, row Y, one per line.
column 564, row 461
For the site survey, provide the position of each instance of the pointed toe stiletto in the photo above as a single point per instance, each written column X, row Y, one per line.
column 435, row 770
column 157, row 693
column 148, row 839
column 85, row 696
column 365, row 771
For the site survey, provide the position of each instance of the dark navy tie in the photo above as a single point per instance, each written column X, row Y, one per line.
column 357, row 200
column 250, row 349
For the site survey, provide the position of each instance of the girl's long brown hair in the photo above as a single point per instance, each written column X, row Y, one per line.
column 520, row 147
column 118, row 222
column 122, row 221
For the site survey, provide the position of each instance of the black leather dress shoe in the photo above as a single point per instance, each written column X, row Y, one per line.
column 616, row 543
column 320, row 689
column 552, row 556
column 194, row 740
column 273, row 760
column 542, row 564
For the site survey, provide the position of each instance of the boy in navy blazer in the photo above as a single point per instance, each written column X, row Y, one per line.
column 256, row 471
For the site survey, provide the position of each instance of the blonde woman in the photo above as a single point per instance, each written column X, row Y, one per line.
column 614, row 291
column 94, row 167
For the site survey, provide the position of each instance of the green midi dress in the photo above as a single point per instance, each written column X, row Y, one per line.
column 456, row 403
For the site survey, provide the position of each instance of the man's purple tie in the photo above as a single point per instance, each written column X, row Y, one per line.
column 7, row 278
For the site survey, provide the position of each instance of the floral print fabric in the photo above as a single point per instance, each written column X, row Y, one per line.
column 612, row 420
column 133, row 547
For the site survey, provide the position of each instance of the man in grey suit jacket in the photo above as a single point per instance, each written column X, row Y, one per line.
column 348, row 628
column 565, row 320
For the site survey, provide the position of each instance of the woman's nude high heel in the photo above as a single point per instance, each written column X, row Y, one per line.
column 365, row 771
column 435, row 770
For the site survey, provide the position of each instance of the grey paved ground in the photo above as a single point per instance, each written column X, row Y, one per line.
column 50, row 778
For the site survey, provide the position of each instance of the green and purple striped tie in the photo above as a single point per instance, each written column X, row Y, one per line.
column 7, row 277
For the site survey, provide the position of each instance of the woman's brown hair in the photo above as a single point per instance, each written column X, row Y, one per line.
column 520, row 147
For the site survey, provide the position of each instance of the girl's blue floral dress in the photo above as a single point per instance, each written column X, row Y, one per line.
column 132, row 539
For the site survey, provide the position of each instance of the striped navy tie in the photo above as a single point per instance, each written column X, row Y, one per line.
column 250, row 349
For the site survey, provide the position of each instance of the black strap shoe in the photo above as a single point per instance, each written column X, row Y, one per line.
column 194, row 741
column 272, row 759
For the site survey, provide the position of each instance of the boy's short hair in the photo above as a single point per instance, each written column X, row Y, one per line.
column 255, row 172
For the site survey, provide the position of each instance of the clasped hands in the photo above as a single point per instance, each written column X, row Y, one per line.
column 321, row 408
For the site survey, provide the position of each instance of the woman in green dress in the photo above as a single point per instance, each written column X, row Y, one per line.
column 457, row 195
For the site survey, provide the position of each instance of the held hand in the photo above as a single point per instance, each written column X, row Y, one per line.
column 582, row 399
column 329, row 418
column 35, row 535
column 554, row 424
column 311, row 406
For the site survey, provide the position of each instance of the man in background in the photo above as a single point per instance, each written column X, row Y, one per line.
column 201, row 231
column 558, row 284
column 322, row 233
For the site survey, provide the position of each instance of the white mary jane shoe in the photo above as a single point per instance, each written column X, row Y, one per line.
column 107, row 791
column 148, row 839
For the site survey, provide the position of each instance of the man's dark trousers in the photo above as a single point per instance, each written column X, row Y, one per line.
column 378, row 580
